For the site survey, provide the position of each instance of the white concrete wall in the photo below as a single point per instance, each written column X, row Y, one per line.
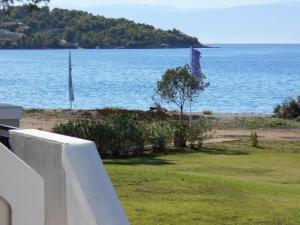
column 77, row 188
column 11, row 122
column 10, row 115
column 22, row 188
column 10, row 112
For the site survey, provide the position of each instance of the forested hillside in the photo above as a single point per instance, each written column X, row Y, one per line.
column 21, row 27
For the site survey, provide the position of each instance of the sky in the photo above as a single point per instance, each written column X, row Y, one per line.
column 211, row 21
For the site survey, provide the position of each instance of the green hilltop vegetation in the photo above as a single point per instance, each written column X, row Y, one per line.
column 22, row 27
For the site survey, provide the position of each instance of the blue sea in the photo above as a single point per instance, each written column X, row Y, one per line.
column 243, row 78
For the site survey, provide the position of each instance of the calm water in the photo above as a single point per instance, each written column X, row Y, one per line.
column 243, row 78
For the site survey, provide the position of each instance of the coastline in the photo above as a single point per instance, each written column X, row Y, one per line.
column 226, row 126
column 218, row 115
column 119, row 47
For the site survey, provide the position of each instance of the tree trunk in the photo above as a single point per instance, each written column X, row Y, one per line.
column 181, row 116
column 180, row 140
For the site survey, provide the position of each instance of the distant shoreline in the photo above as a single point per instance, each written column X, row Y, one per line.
column 119, row 48
column 207, row 46
column 220, row 115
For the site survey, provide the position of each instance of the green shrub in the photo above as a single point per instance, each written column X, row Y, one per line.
column 254, row 139
column 198, row 132
column 124, row 134
column 193, row 135
column 137, row 114
column 115, row 136
column 278, row 124
column 290, row 109
column 128, row 134
column 159, row 135
column 180, row 137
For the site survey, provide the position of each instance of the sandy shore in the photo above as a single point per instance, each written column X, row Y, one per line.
column 48, row 119
column 42, row 119
column 220, row 115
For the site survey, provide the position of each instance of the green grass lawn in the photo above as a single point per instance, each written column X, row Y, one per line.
column 229, row 183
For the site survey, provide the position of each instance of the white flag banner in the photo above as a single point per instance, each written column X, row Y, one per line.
column 195, row 63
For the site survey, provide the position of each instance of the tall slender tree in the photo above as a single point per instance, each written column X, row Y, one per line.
column 178, row 86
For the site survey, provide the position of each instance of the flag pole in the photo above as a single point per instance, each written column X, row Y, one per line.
column 195, row 72
column 190, row 112
column 190, row 117
column 71, row 91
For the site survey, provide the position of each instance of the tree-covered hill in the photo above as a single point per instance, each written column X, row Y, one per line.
column 21, row 27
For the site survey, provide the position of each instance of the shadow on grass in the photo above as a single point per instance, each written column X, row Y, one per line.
column 223, row 151
column 143, row 160
column 153, row 159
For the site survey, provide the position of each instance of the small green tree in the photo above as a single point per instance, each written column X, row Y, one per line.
column 178, row 86
column 254, row 139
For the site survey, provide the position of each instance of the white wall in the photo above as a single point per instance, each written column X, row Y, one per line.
column 10, row 115
column 22, row 188
column 10, row 112
column 78, row 190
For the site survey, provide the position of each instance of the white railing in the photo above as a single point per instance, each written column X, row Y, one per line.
column 76, row 189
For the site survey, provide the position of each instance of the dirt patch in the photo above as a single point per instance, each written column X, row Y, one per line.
column 263, row 134
column 40, row 124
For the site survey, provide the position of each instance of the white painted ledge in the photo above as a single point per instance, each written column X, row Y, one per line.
column 78, row 190
column 22, row 189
